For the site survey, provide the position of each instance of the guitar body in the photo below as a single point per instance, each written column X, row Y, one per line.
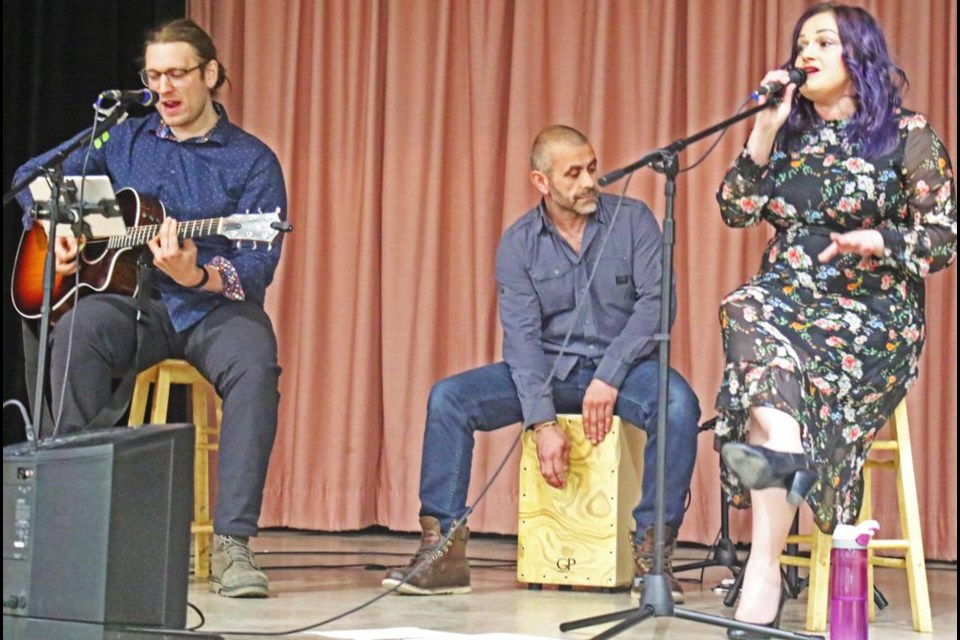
column 100, row 268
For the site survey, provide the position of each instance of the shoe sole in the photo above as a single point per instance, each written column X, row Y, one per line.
column 412, row 590
column 754, row 472
column 750, row 467
column 239, row 592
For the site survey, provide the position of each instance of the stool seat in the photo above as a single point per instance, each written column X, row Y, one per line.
column 581, row 534
column 911, row 543
column 161, row 376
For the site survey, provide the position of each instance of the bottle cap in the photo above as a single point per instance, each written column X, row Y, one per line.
column 847, row 536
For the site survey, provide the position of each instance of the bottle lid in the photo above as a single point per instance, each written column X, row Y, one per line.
column 847, row 536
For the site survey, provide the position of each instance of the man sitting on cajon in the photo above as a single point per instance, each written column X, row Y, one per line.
column 608, row 367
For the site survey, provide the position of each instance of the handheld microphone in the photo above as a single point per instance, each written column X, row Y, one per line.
column 142, row 97
column 797, row 77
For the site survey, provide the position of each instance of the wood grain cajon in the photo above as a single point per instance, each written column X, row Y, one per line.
column 581, row 534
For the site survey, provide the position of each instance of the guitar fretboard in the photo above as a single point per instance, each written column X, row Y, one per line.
column 140, row 235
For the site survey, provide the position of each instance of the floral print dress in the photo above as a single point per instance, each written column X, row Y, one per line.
column 834, row 345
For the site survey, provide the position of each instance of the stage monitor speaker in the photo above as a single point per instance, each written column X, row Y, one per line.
column 96, row 532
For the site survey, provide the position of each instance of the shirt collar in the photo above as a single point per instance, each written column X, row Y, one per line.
column 217, row 134
column 601, row 216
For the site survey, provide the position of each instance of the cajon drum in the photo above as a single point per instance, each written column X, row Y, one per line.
column 581, row 535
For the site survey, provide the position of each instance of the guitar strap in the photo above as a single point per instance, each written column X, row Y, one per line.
column 110, row 415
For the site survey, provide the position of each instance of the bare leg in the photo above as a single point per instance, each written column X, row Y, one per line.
column 772, row 515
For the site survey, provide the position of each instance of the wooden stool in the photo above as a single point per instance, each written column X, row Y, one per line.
column 911, row 542
column 207, row 439
column 580, row 535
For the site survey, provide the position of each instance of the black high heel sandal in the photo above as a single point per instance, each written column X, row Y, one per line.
column 745, row 634
column 762, row 468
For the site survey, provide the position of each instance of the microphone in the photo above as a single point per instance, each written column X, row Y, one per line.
column 142, row 97
column 797, row 77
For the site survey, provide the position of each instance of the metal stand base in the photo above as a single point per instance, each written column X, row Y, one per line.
column 723, row 553
column 633, row 617
column 657, row 602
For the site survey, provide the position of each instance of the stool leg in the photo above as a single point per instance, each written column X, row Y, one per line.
column 141, row 391
column 161, row 397
column 819, row 582
column 201, row 481
column 910, row 523
column 866, row 513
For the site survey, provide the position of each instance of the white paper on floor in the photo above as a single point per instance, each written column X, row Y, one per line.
column 414, row 633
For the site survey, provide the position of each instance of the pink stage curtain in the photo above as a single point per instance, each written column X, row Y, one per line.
column 404, row 129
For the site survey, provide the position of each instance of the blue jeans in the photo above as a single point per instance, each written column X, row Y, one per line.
column 485, row 399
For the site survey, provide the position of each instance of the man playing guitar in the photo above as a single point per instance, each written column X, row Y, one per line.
column 205, row 300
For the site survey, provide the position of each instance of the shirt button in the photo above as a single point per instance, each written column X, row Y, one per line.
column 556, row 272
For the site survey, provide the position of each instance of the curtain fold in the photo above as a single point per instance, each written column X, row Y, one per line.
column 404, row 129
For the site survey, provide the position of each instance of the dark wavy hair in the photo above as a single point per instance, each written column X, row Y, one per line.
column 877, row 82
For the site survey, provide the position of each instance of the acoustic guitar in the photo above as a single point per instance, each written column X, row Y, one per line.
column 110, row 263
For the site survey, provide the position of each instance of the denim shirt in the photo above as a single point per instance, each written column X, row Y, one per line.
column 224, row 172
column 542, row 280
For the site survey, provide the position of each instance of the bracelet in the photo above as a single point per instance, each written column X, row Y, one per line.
column 203, row 280
column 543, row 425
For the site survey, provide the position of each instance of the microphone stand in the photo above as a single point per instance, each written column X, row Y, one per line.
column 656, row 600
column 53, row 168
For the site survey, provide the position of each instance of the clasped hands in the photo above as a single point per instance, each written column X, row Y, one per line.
column 553, row 447
column 179, row 261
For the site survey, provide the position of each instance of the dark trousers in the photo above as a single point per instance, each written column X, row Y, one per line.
column 234, row 347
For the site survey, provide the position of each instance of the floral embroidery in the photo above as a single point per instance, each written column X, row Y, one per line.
column 232, row 288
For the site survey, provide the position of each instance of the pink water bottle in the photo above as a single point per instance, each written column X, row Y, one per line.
column 848, row 581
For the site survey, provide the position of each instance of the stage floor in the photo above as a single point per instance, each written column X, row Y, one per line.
column 338, row 572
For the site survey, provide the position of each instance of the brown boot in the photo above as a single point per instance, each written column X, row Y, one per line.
column 643, row 561
column 445, row 568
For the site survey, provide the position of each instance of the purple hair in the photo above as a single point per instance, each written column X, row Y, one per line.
column 877, row 82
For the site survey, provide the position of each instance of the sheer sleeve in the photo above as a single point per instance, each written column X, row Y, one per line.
column 744, row 192
column 927, row 241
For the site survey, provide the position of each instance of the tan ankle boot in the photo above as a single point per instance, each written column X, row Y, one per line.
column 233, row 569
column 445, row 568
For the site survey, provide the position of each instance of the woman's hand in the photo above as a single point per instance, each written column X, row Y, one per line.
column 865, row 242
column 769, row 121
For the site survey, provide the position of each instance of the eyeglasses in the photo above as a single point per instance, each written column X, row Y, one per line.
column 151, row 77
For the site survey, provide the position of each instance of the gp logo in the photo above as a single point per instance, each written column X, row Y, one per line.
column 565, row 565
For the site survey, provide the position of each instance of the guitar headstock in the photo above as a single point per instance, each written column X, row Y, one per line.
column 253, row 227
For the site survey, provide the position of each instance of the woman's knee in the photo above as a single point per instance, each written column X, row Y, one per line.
column 741, row 306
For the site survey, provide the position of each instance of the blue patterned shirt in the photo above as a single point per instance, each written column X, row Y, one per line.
column 224, row 172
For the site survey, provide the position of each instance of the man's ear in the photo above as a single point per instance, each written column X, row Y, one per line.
column 211, row 73
column 540, row 182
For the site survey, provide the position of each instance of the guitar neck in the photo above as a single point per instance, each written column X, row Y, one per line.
column 141, row 234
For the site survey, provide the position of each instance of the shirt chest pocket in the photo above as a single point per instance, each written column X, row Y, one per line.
column 555, row 289
column 614, row 283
